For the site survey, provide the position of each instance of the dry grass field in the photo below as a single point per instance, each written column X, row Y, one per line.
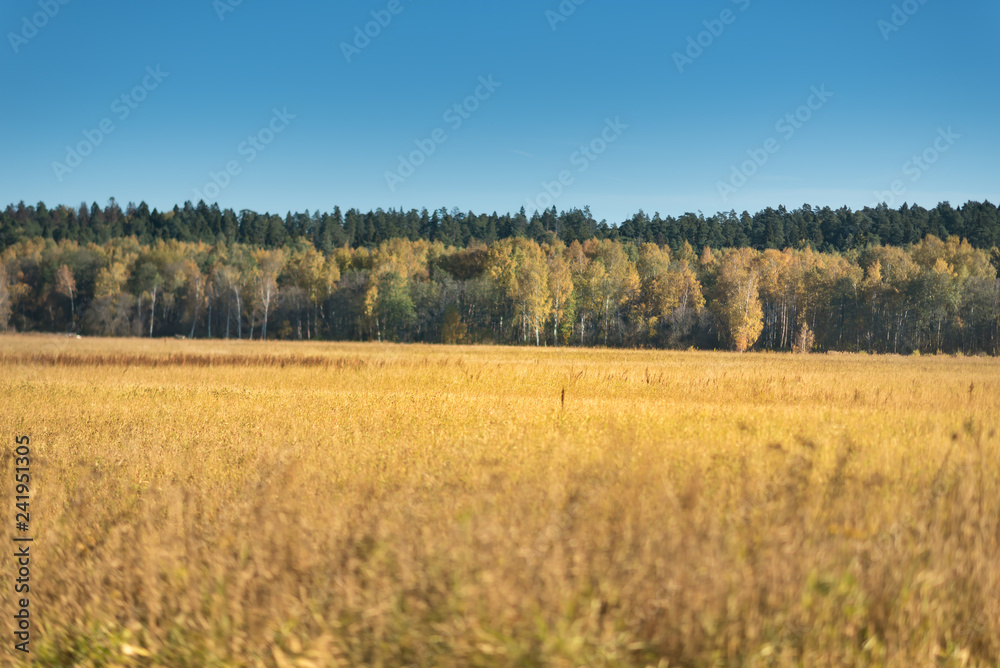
column 279, row 504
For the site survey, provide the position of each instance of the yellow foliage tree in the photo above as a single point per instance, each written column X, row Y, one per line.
column 739, row 305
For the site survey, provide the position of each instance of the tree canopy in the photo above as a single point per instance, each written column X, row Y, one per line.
column 933, row 295
column 822, row 229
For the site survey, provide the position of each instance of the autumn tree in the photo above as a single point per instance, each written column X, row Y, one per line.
column 393, row 310
column 520, row 269
column 66, row 286
column 148, row 283
column 226, row 279
column 738, row 301
column 652, row 266
column 932, row 295
column 612, row 284
column 315, row 277
column 269, row 265
column 804, row 337
column 5, row 301
column 453, row 330
column 561, row 291
column 669, row 295
column 110, row 312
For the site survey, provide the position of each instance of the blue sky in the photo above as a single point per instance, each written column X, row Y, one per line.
column 665, row 132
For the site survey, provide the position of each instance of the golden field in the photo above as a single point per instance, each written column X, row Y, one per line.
column 210, row 503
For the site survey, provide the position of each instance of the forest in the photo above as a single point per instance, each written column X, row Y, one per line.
column 653, row 283
column 822, row 229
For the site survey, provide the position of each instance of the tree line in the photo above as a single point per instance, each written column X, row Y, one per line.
column 933, row 295
column 822, row 229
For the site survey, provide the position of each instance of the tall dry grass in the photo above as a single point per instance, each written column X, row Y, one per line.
column 204, row 503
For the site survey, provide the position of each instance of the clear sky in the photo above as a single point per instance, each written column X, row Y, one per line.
column 669, row 123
